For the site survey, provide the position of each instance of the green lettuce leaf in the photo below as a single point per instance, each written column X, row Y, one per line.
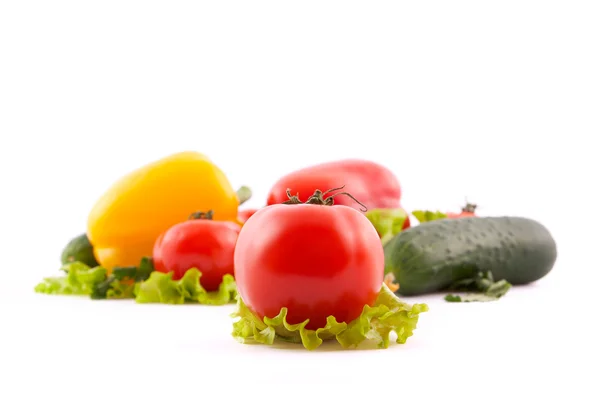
column 120, row 283
column 162, row 288
column 376, row 323
column 426, row 216
column 137, row 273
column 120, row 290
column 80, row 279
column 100, row 289
column 469, row 297
column 387, row 221
column 481, row 287
column 112, row 288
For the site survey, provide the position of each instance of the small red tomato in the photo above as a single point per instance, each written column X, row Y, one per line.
column 317, row 260
column 406, row 224
column 243, row 215
column 467, row 211
column 201, row 243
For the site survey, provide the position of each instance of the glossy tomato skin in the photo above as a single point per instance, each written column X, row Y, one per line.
column 204, row 244
column 372, row 184
column 316, row 260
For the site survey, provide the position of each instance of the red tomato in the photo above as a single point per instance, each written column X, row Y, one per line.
column 316, row 260
column 375, row 185
column 202, row 243
column 406, row 224
column 243, row 215
column 467, row 211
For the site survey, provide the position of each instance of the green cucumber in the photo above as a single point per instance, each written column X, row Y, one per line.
column 432, row 256
column 79, row 249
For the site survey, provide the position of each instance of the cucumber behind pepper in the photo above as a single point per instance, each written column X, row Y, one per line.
column 79, row 249
column 430, row 257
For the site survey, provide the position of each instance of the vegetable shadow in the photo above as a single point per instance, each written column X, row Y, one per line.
column 328, row 346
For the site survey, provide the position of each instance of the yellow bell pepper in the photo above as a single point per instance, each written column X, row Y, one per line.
column 125, row 222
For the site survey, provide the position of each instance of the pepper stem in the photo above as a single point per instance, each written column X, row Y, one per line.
column 202, row 215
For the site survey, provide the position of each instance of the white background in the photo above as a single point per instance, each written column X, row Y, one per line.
column 497, row 101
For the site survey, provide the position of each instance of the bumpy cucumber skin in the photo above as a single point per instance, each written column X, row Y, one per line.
column 429, row 257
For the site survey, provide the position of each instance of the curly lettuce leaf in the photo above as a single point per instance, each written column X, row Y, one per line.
column 481, row 287
column 120, row 283
column 113, row 289
column 120, row 290
column 387, row 221
column 376, row 323
column 137, row 273
column 469, row 298
column 80, row 279
column 426, row 215
column 160, row 287
column 100, row 290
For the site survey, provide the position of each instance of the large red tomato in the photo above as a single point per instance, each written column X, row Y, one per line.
column 316, row 260
column 201, row 243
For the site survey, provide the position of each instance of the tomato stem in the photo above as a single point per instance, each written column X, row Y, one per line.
column 202, row 215
column 317, row 198
column 469, row 207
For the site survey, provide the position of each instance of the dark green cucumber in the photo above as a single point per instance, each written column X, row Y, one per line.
column 79, row 249
column 431, row 256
